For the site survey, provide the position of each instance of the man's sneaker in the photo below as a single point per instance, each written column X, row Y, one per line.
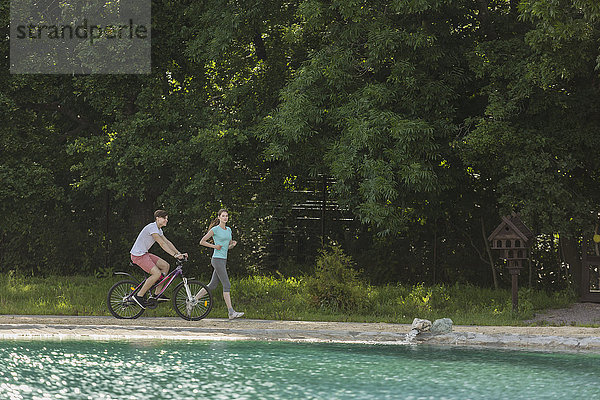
column 235, row 314
column 140, row 301
column 159, row 299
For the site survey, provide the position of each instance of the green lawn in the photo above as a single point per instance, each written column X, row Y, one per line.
column 264, row 297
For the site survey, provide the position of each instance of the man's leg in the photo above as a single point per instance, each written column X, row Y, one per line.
column 147, row 262
column 152, row 279
column 163, row 266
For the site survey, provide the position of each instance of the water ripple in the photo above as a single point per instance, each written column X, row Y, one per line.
column 275, row 370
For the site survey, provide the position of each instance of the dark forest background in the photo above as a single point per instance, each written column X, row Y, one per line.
column 399, row 130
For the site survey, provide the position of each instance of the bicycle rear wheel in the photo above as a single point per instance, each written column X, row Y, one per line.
column 119, row 302
column 188, row 307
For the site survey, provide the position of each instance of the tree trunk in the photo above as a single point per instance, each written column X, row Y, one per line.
column 259, row 45
column 530, row 271
column 434, row 252
column 514, row 7
column 570, row 250
column 107, row 235
column 484, row 19
column 489, row 253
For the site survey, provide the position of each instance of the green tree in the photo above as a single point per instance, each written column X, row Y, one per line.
column 536, row 145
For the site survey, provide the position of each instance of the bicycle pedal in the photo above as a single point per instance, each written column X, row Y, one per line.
column 151, row 303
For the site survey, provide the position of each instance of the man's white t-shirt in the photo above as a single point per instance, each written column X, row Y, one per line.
column 145, row 240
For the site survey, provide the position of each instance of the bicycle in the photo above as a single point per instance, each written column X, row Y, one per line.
column 121, row 304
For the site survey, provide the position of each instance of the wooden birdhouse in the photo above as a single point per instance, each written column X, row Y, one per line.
column 513, row 239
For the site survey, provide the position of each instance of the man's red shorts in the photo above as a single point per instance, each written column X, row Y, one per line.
column 146, row 261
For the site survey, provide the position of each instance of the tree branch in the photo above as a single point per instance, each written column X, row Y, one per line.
column 55, row 106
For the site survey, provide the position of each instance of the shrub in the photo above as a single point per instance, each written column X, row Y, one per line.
column 336, row 285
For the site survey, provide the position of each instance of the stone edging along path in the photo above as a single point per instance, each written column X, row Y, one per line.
column 107, row 328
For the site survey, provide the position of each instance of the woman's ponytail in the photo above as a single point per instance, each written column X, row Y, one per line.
column 213, row 223
column 216, row 221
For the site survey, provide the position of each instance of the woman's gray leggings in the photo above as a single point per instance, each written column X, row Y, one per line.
column 219, row 274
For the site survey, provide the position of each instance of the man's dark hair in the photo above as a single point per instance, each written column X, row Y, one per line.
column 160, row 213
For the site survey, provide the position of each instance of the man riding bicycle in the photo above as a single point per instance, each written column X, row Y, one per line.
column 150, row 263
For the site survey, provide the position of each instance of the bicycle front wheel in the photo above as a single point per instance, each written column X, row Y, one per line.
column 119, row 301
column 193, row 305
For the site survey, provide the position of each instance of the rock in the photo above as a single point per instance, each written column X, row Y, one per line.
column 410, row 336
column 443, row 325
column 421, row 325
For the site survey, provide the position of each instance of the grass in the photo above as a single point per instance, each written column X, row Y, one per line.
column 265, row 297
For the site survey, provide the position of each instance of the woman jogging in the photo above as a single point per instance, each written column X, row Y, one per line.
column 221, row 235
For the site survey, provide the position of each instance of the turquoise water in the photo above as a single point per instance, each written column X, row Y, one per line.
column 280, row 370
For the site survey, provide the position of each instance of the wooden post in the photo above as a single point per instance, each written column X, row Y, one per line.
column 514, row 267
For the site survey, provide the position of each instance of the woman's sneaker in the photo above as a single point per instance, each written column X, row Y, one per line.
column 235, row 314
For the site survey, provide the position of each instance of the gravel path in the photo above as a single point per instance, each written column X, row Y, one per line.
column 104, row 328
column 583, row 314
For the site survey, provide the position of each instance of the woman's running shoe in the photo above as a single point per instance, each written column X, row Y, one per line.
column 235, row 314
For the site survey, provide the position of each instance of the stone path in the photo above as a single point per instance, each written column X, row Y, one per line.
column 106, row 328
column 176, row 328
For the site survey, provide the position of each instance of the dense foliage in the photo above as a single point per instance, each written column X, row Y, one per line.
column 398, row 129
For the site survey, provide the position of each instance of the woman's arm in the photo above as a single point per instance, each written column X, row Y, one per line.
column 204, row 240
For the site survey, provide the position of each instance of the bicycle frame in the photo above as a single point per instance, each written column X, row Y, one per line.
column 178, row 271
